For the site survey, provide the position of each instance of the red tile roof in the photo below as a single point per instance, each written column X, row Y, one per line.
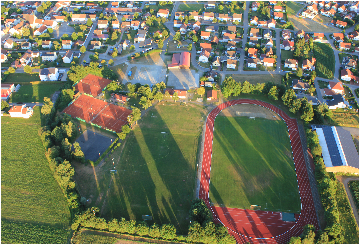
column 92, row 85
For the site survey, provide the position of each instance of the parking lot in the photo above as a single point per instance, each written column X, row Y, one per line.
column 61, row 30
column 183, row 79
column 146, row 75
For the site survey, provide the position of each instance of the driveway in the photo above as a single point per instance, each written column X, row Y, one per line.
column 63, row 29
column 183, row 78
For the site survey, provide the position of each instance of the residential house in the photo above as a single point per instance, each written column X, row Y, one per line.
column 95, row 45
column 267, row 34
column 278, row 15
column 309, row 64
column 278, row 9
column 49, row 56
column 337, row 87
column 210, row 5
column 216, row 61
column 58, row 18
column 255, row 6
column 300, row 34
column 237, row 17
column 355, row 7
column 262, row 23
column 205, row 35
column 271, row 23
column 182, row 93
column 50, row 23
column 252, row 52
column 25, row 45
column 46, row 44
column 211, row 28
column 163, row 13
column 78, row 17
column 3, row 58
column 253, row 41
column 183, row 29
column 349, row 63
column 231, row 45
column 180, row 60
column 345, row 46
column 208, row 16
column 231, row 55
column 205, row 46
column 146, row 43
column 177, row 23
column 103, row 24
column 300, row 85
column 255, row 32
column 346, row 75
column 41, row 30
column 341, row 9
column 251, row 63
column 353, row 35
column 212, row 94
column 21, row 111
column 119, row 98
column 135, row 24
column 269, row 62
column 254, row 20
column 195, row 14
column 228, row 37
column 318, row 37
column 178, row 15
column 214, row 39
column 68, row 57
column 140, row 36
column 125, row 25
column 339, row 37
column 268, row 52
column 286, row 34
column 231, row 64
column 9, row 43
column 291, row 63
column 126, row 44
column 196, row 24
column 269, row 43
column 341, row 24
column 115, row 24
column 336, row 102
column 66, row 44
column 204, row 56
column 49, row 74
column 224, row 17
column 287, row 45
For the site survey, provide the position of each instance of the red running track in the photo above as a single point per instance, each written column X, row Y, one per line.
column 249, row 226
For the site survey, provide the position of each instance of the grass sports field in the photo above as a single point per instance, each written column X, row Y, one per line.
column 252, row 165
column 155, row 169
column 33, row 207
column 35, row 92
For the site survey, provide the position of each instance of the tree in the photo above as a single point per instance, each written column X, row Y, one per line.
column 168, row 231
column 83, row 49
column 154, row 231
column 274, row 93
column 295, row 240
column 125, row 129
column 89, row 22
column 136, row 15
column 230, row 87
column 288, row 97
column 66, row 149
column 142, row 228
column 4, row 105
column 40, row 9
column 201, row 91
column 165, row 34
column 132, row 47
column 175, row 96
column 195, row 39
column 145, row 102
column 158, row 96
column 199, row 212
column 83, row 27
column 246, row 87
column 74, row 36
column 189, row 47
column 47, row 107
column 195, row 233
column 50, row 30
column 11, row 70
column 295, row 106
column 134, row 116
column 160, row 43
column 307, row 110
column 115, row 53
column 111, row 62
column 177, row 36
column 299, row 72
column 220, row 7
column 114, row 36
column 27, row 69
column 25, row 32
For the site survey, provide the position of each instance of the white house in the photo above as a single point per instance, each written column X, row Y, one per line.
column 102, row 24
column 177, row 23
column 237, row 17
column 269, row 62
column 46, row 44
column 231, row 64
column 163, row 13
column 336, row 102
column 26, row 45
column 21, row 111
column 68, row 57
column 346, row 75
column 204, row 56
column 9, row 43
column 41, row 30
column 291, row 63
column 66, row 44
column 251, row 63
column 78, row 17
column 49, row 74
column 49, row 56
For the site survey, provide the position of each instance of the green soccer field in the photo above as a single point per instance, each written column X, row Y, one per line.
column 252, row 165
column 33, row 207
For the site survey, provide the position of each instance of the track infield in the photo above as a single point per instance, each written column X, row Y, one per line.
column 252, row 165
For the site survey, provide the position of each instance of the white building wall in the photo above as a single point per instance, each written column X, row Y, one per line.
column 324, row 148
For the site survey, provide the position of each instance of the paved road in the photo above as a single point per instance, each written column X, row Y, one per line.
column 345, row 180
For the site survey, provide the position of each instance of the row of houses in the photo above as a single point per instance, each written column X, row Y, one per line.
column 307, row 64
column 209, row 16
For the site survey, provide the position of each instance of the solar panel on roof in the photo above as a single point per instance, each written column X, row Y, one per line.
column 332, row 146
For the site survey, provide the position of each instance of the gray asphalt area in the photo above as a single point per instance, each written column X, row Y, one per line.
column 147, row 75
column 64, row 28
column 183, row 79
column 92, row 144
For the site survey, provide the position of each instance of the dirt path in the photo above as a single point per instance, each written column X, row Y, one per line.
column 345, row 180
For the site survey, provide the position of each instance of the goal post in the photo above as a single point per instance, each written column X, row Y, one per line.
column 255, row 207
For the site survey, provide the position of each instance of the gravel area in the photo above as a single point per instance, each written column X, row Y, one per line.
column 249, row 111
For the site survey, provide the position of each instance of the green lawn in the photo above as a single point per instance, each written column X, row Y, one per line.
column 347, row 219
column 354, row 187
column 293, row 7
column 252, row 165
column 21, row 77
column 257, row 79
column 325, row 60
column 190, row 7
column 286, row 54
column 35, row 92
column 155, row 171
column 33, row 207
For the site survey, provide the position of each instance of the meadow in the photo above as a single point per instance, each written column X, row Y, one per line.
column 325, row 60
column 33, row 207
column 155, row 169
column 21, row 77
column 252, row 165
column 35, row 92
